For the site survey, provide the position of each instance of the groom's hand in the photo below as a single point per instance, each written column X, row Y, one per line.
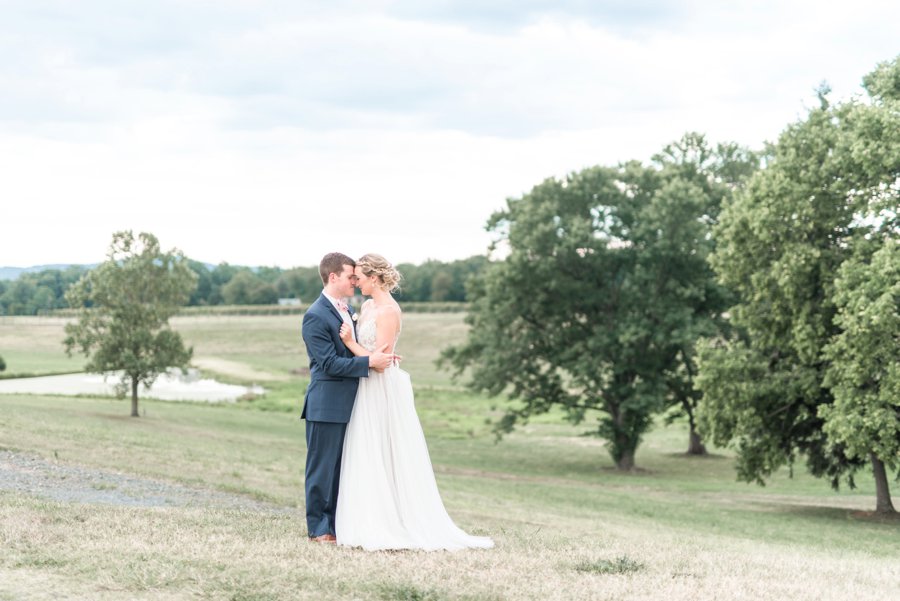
column 379, row 360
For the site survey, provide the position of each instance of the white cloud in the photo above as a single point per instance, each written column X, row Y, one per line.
column 270, row 133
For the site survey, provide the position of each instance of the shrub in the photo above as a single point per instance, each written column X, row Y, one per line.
column 621, row 565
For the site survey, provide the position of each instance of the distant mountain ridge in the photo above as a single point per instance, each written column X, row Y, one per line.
column 13, row 273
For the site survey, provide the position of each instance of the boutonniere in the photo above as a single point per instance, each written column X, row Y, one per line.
column 354, row 317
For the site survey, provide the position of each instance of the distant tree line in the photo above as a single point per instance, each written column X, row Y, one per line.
column 39, row 292
column 224, row 284
column 432, row 281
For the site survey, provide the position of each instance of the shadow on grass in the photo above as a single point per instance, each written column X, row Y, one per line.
column 674, row 463
column 825, row 512
column 692, row 457
column 877, row 518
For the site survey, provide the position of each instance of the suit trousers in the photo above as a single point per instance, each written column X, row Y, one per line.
column 324, row 447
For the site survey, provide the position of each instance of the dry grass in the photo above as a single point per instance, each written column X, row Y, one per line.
column 33, row 345
column 101, row 552
column 694, row 536
column 248, row 348
column 233, row 369
column 566, row 525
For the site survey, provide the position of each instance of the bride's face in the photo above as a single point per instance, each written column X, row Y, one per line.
column 365, row 283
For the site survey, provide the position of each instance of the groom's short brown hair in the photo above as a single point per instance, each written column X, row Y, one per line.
column 333, row 263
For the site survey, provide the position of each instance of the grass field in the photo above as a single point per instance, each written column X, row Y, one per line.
column 567, row 525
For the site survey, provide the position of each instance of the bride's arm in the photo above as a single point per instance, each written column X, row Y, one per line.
column 378, row 360
column 356, row 348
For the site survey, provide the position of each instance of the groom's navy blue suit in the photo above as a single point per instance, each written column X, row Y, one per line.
column 334, row 377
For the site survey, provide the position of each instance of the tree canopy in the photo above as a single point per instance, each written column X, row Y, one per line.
column 864, row 368
column 603, row 293
column 807, row 247
column 124, row 308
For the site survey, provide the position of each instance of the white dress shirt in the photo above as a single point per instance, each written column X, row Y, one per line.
column 345, row 315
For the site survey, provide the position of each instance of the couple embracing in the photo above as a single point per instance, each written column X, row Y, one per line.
column 369, row 479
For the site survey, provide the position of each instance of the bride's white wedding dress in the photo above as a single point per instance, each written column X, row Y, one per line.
column 388, row 496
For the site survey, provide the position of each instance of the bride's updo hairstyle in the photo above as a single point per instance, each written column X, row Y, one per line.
column 378, row 267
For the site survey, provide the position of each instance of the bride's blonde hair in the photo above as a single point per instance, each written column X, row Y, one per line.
column 377, row 266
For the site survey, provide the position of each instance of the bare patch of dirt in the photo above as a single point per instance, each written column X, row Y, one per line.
column 39, row 477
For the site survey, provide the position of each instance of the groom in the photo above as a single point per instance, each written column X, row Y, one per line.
column 334, row 377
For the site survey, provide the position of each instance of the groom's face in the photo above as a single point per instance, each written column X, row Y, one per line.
column 346, row 281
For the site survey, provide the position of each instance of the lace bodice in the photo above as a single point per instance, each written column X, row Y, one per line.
column 366, row 332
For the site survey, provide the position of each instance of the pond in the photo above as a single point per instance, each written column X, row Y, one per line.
column 170, row 386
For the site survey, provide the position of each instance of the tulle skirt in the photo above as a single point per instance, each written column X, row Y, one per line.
column 388, row 496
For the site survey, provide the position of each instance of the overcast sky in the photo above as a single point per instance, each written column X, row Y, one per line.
column 270, row 133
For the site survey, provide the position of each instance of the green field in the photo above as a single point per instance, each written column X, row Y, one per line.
column 567, row 525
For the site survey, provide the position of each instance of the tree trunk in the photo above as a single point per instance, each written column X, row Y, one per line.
column 695, row 446
column 625, row 463
column 134, row 398
column 883, row 503
column 623, row 447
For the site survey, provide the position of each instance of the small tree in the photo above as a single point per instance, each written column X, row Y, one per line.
column 124, row 308
column 2, row 364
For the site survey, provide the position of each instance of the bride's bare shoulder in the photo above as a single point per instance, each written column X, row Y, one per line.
column 388, row 313
column 393, row 309
column 388, row 308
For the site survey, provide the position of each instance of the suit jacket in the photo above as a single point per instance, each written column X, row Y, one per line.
column 334, row 371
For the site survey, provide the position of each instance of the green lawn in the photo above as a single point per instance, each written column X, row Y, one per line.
column 33, row 345
column 567, row 525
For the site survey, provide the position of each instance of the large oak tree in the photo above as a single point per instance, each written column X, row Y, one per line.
column 819, row 349
column 603, row 294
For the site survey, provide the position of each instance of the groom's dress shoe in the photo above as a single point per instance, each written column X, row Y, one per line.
column 324, row 538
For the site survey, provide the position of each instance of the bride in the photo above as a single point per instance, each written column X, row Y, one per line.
column 388, row 495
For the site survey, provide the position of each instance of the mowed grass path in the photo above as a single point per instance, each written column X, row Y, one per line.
column 567, row 526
